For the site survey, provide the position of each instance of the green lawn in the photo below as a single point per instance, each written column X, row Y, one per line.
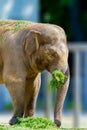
column 7, row 127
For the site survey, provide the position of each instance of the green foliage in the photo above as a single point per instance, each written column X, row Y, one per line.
column 36, row 123
column 68, row 3
column 31, row 123
column 7, row 127
column 58, row 79
column 2, row 127
column 60, row 12
column 84, row 17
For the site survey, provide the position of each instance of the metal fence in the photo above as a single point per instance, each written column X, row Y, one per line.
column 76, row 49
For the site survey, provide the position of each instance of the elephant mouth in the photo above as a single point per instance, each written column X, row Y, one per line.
column 52, row 69
column 64, row 70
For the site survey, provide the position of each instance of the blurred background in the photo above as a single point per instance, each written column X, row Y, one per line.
column 71, row 15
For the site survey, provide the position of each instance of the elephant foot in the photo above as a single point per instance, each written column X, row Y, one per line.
column 13, row 120
column 58, row 122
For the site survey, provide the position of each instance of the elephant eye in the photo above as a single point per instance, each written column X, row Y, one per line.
column 54, row 55
column 44, row 44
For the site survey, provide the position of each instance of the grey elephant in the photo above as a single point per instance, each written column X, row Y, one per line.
column 26, row 49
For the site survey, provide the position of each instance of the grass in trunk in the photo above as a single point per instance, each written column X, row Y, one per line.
column 58, row 79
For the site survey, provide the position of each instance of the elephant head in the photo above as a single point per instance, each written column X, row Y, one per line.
column 47, row 49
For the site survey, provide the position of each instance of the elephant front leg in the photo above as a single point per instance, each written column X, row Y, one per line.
column 16, row 90
column 31, row 93
column 61, row 94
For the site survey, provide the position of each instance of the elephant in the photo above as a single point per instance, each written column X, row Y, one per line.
column 27, row 49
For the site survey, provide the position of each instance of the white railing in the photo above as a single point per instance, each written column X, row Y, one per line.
column 76, row 49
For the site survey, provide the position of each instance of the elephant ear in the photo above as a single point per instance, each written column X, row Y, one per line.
column 33, row 40
column 31, row 43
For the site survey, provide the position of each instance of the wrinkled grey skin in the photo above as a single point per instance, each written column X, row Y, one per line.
column 24, row 54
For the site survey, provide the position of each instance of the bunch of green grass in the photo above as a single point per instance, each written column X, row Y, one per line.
column 58, row 79
column 36, row 123
column 31, row 123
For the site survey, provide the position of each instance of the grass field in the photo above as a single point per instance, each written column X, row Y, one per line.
column 8, row 127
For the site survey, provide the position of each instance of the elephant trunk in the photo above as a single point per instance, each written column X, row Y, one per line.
column 60, row 97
